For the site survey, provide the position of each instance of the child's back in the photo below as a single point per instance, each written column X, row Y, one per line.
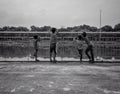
column 53, row 38
column 88, row 42
column 35, row 42
column 79, row 44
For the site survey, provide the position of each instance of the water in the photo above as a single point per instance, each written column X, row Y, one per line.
column 21, row 49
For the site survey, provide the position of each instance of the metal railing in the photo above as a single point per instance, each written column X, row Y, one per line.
column 19, row 45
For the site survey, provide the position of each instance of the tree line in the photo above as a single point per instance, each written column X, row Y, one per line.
column 106, row 28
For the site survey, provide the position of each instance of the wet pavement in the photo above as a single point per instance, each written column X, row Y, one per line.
column 70, row 78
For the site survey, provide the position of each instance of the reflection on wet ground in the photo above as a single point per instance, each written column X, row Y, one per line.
column 73, row 78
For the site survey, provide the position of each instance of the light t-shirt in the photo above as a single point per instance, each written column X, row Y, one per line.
column 79, row 44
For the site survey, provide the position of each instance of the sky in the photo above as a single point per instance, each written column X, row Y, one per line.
column 59, row 13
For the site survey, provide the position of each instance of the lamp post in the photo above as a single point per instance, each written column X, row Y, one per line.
column 100, row 24
column 100, row 34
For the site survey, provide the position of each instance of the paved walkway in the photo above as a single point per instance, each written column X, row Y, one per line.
column 70, row 78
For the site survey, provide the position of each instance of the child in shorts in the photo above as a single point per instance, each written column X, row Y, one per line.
column 53, row 42
column 89, row 49
column 36, row 40
column 79, row 46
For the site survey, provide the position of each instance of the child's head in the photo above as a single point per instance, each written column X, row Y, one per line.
column 35, row 37
column 76, row 38
column 84, row 34
column 53, row 30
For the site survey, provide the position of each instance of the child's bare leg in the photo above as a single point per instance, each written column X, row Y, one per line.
column 87, row 53
column 92, row 55
column 51, row 50
column 54, row 57
column 81, row 58
column 36, row 55
column 50, row 56
column 80, row 55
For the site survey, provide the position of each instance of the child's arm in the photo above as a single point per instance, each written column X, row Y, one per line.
column 74, row 39
column 82, row 37
column 74, row 42
column 39, row 39
column 57, row 32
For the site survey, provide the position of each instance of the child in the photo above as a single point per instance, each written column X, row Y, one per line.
column 36, row 40
column 89, row 48
column 79, row 46
column 53, row 42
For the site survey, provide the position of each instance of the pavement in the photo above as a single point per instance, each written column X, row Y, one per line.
column 60, row 78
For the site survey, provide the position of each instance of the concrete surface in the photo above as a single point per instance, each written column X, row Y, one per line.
column 70, row 78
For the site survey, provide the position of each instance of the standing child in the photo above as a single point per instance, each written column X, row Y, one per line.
column 53, row 42
column 79, row 46
column 89, row 48
column 36, row 40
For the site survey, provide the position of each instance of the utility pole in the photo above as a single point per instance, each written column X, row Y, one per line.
column 100, row 24
column 100, row 33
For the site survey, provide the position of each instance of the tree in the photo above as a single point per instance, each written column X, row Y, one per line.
column 1, row 29
column 20, row 28
column 62, row 29
column 107, row 28
column 117, row 27
column 69, row 28
column 93, row 29
column 45, row 28
column 5, row 28
column 85, row 27
column 12, row 28
column 33, row 28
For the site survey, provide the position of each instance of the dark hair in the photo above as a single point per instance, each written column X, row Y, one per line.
column 53, row 30
column 35, row 37
column 79, row 37
column 76, row 38
column 84, row 34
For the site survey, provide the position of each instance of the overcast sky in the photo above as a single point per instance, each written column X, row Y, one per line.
column 59, row 13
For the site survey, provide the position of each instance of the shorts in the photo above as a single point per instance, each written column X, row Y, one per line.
column 80, row 51
column 53, row 48
column 90, row 47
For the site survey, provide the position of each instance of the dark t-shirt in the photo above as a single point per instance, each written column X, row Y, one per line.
column 88, row 42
